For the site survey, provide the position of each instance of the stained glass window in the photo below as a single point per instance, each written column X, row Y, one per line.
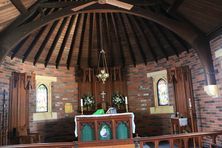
column 162, row 92
column 42, row 99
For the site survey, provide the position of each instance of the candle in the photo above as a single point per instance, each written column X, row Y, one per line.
column 190, row 105
column 81, row 102
column 126, row 101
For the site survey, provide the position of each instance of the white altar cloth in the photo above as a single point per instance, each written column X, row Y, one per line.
column 183, row 121
column 105, row 115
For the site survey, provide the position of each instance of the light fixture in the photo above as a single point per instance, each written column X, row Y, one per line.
column 103, row 72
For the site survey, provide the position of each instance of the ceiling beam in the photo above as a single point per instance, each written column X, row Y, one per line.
column 16, row 49
column 157, row 39
column 169, row 12
column 181, row 41
column 135, row 34
column 12, row 37
column 34, row 41
column 118, row 39
column 63, row 4
column 91, row 34
column 198, row 40
column 167, row 39
column 65, row 39
column 73, row 43
column 37, row 37
column 82, row 41
column 176, row 4
column 22, row 17
column 19, row 6
column 142, row 26
column 45, row 41
column 55, row 41
column 123, row 25
column 110, row 45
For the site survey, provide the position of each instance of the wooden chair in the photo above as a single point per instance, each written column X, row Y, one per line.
column 26, row 137
column 176, row 128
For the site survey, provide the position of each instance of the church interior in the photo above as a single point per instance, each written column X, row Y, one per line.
column 111, row 73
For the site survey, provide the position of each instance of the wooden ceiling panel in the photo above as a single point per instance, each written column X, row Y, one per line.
column 49, row 41
column 124, row 42
column 38, row 44
column 204, row 14
column 74, row 61
column 136, row 49
column 75, row 40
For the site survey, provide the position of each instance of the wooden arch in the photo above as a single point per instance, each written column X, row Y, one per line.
column 12, row 35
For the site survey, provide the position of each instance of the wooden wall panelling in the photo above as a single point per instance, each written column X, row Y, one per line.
column 90, row 84
column 182, row 81
column 18, row 106
column 189, row 93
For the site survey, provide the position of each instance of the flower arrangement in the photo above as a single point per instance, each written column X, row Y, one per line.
column 117, row 99
column 88, row 100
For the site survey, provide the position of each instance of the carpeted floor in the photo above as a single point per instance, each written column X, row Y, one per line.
column 161, row 145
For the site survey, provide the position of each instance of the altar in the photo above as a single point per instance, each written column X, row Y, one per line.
column 105, row 130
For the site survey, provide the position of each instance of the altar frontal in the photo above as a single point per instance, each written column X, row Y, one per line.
column 104, row 130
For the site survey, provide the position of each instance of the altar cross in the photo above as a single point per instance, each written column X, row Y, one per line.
column 103, row 94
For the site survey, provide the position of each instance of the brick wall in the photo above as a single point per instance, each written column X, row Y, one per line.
column 64, row 90
column 140, row 103
column 208, row 109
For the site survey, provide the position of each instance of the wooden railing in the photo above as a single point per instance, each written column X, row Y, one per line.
column 182, row 140
column 44, row 145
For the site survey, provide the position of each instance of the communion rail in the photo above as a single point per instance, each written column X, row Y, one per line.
column 181, row 139
column 44, row 145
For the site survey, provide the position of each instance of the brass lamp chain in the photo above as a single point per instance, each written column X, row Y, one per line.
column 103, row 74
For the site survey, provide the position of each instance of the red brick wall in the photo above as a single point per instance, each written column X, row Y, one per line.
column 64, row 90
column 140, row 102
column 208, row 109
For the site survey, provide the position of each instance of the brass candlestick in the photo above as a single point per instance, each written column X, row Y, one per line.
column 81, row 110
column 126, row 103
column 127, row 108
column 81, row 106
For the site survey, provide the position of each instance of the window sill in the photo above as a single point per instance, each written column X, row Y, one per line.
column 161, row 110
column 44, row 116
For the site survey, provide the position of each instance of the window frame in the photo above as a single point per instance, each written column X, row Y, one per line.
column 47, row 100
column 156, row 108
column 47, row 81
column 157, row 91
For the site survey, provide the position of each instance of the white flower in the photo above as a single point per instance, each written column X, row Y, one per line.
column 88, row 100
column 117, row 99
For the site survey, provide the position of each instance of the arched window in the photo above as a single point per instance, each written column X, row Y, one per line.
column 42, row 99
column 162, row 92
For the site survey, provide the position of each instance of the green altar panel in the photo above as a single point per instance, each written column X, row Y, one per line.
column 122, row 131
column 105, row 132
column 87, row 133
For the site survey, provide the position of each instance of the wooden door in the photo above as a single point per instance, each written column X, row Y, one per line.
column 183, row 93
column 20, row 83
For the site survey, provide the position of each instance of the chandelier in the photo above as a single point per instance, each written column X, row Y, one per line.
column 103, row 72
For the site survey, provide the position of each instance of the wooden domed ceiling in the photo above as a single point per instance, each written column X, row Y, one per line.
column 76, row 40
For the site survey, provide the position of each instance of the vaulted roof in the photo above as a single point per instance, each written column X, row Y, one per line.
column 128, row 39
